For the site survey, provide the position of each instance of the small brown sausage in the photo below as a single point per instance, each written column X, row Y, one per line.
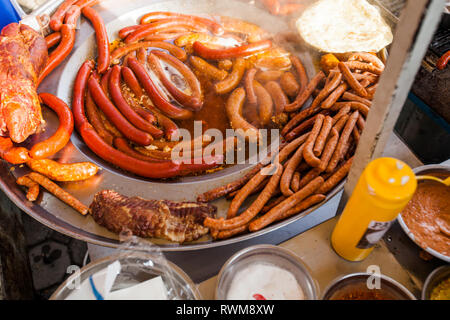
column 252, row 99
column 207, row 69
column 289, row 84
column 295, row 182
column 285, row 183
column 303, row 205
column 278, row 96
column 351, row 80
column 304, row 96
column 287, row 204
column 33, row 187
column 323, row 135
column 328, row 149
column 334, row 96
column 58, row 192
column 265, row 103
column 301, row 72
column 269, row 75
column 333, row 80
column 233, row 78
column 64, row 172
column 308, row 153
column 340, row 174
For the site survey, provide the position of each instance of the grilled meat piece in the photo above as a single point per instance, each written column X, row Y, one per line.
column 174, row 221
column 23, row 55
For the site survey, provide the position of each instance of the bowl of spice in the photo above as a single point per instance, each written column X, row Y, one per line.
column 437, row 284
column 426, row 218
column 363, row 286
column 265, row 272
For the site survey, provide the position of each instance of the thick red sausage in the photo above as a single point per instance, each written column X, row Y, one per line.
column 234, row 52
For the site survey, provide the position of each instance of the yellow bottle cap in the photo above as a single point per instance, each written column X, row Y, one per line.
column 391, row 180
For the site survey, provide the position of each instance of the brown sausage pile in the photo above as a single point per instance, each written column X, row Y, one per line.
column 317, row 151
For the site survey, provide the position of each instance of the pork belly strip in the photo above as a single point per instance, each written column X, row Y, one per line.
column 174, row 221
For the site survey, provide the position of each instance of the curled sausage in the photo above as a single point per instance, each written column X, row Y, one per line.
column 252, row 100
column 333, row 80
column 170, row 128
column 354, row 105
column 33, row 187
column 62, row 135
column 328, row 150
column 58, row 192
column 287, row 204
column 53, row 39
column 265, row 104
column 213, row 26
column 234, row 112
column 367, row 57
column 233, row 78
column 278, row 96
column 64, row 172
column 308, row 153
column 101, row 36
column 155, row 94
column 234, row 52
column 110, row 110
column 357, row 65
column 125, row 108
column 163, row 25
column 193, row 101
column 207, row 69
column 254, row 208
column 120, row 52
column 289, row 84
column 304, row 96
column 66, row 44
column 56, row 21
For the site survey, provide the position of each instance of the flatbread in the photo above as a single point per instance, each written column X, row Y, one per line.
column 344, row 26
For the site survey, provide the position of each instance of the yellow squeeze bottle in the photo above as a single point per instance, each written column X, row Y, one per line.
column 383, row 190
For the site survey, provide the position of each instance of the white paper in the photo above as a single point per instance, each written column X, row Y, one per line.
column 153, row 289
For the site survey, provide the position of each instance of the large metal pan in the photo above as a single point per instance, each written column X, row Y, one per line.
column 55, row 214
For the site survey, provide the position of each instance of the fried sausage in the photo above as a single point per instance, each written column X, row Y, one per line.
column 323, row 135
column 233, row 78
column 304, row 96
column 308, row 153
column 285, row 183
column 207, row 69
column 64, row 172
column 289, row 84
column 265, row 103
column 33, row 187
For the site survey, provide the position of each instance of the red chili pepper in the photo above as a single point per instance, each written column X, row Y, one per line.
column 258, row 296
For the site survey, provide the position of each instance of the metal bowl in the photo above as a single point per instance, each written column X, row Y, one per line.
column 428, row 170
column 358, row 281
column 135, row 268
column 267, row 254
column 433, row 279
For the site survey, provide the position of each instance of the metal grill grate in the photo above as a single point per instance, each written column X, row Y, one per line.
column 441, row 42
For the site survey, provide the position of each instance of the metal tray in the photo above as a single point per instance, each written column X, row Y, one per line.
column 58, row 216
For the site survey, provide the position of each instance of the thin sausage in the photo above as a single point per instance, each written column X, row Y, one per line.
column 225, row 234
column 303, row 205
column 304, row 96
column 285, row 183
column 334, row 96
column 289, row 84
column 207, row 69
column 95, row 120
column 287, row 204
column 101, row 36
column 351, row 80
column 333, row 80
column 265, row 104
column 301, row 72
column 367, row 57
column 298, row 118
column 61, row 137
column 328, row 150
column 120, row 52
column 252, row 99
column 323, row 135
column 59, row 192
column 301, row 128
column 308, row 153
column 278, row 96
column 193, row 101
column 354, row 97
column 53, row 39
column 357, row 65
column 33, row 187
column 123, row 146
column 233, row 78
column 340, row 174
column 155, row 94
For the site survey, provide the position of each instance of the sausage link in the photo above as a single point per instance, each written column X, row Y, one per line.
column 57, row 19
column 323, row 135
column 333, row 80
column 13, row 155
column 193, row 101
column 64, row 172
column 234, row 52
column 61, row 137
column 354, row 105
column 351, row 80
column 278, row 96
column 163, row 25
column 301, row 128
column 33, row 187
column 169, row 127
column 339, row 125
column 308, row 153
column 252, row 99
column 265, row 103
column 125, row 108
column 122, row 124
column 213, row 26
column 101, row 36
column 287, row 204
column 301, row 72
column 329, row 149
column 340, row 174
column 343, row 140
column 303, row 205
column 123, row 146
column 357, row 65
column 233, row 108
column 289, row 84
column 353, row 97
column 78, row 93
column 225, row 234
column 343, row 111
column 268, row 75
column 295, row 182
column 53, row 39
column 285, row 183
column 95, row 120
column 367, row 57
column 252, row 210
column 58, row 192
column 207, row 69
column 334, row 96
column 155, row 94
column 120, row 52
column 304, row 96
column 233, row 78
